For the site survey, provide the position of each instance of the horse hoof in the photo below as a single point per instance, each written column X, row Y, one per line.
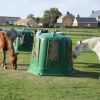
column 14, row 69
column 5, row 67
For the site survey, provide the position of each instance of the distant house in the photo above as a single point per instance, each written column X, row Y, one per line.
column 5, row 20
column 85, row 22
column 66, row 20
column 27, row 22
column 96, row 14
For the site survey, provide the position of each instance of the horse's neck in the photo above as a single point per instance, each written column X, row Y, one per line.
column 92, row 43
column 86, row 45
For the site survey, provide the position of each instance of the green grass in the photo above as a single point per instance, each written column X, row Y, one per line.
column 83, row 85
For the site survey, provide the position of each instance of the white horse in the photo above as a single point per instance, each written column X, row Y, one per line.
column 92, row 44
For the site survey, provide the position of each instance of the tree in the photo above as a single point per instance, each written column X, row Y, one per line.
column 30, row 16
column 37, row 19
column 50, row 16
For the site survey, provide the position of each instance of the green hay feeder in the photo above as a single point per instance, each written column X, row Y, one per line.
column 51, row 55
column 28, row 41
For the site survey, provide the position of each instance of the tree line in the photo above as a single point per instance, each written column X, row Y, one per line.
column 49, row 17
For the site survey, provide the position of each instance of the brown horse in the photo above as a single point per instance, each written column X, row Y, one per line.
column 6, row 44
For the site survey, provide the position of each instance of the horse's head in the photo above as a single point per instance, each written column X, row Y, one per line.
column 13, row 34
column 79, row 48
column 21, row 36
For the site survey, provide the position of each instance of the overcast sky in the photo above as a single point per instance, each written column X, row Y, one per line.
column 22, row 8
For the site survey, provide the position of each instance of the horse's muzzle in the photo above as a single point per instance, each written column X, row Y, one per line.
column 74, row 55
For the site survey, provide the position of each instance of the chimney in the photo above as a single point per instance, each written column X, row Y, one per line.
column 78, row 15
column 93, row 11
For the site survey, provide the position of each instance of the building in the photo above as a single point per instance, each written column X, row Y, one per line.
column 66, row 20
column 5, row 20
column 27, row 22
column 85, row 22
column 96, row 14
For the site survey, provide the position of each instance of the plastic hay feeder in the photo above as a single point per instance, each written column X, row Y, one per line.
column 51, row 55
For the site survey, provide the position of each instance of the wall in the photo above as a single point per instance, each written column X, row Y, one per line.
column 87, row 25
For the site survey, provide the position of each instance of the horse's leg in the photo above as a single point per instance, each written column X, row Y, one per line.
column 13, row 56
column 13, row 59
column 4, row 60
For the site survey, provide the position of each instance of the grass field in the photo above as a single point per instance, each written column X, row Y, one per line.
column 83, row 85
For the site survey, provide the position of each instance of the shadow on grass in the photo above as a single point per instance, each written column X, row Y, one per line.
column 94, row 73
column 86, row 74
column 20, row 67
column 75, row 73
column 23, row 67
column 78, row 74
column 89, row 65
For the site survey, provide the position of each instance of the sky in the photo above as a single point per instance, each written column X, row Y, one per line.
column 22, row 8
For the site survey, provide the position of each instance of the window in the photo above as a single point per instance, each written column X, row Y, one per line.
column 88, row 25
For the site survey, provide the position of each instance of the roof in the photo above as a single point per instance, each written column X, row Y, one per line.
column 23, row 20
column 66, row 15
column 86, row 20
column 8, row 17
column 95, row 14
column 62, row 16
